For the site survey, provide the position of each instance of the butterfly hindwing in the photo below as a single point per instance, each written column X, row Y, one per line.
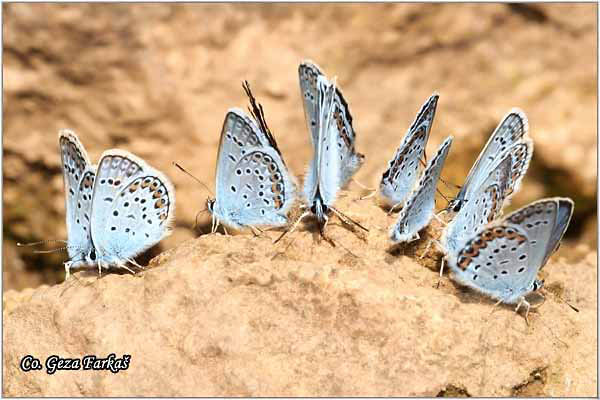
column 259, row 191
column 132, row 208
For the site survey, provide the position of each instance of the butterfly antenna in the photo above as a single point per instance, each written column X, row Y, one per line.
column 563, row 300
column 50, row 251
column 193, row 177
column 41, row 242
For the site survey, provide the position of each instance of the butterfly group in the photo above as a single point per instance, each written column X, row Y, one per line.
column 120, row 207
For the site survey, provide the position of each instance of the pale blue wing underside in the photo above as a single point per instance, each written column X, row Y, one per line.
column 335, row 158
column 512, row 130
column 259, row 191
column 504, row 258
column 403, row 169
column 308, row 73
column 239, row 132
column 563, row 217
column 249, row 164
column 481, row 209
column 78, row 176
column 420, row 206
column 133, row 206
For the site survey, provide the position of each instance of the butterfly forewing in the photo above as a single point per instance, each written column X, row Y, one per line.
column 512, row 130
column 350, row 160
column 403, row 170
column 78, row 175
column 563, row 217
column 420, row 206
column 308, row 73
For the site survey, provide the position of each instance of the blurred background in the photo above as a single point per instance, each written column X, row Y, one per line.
column 157, row 79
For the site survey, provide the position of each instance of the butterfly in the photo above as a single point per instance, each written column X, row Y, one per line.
column 114, row 211
column 512, row 131
column 253, row 185
column 399, row 179
column 503, row 259
column 420, row 206
column 335, row 159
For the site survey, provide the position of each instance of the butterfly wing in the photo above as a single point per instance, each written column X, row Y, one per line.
column 399, row 179
column 495, row 263
column 78, row 176
column 322, row 144
column 545, row 222
column 420, row 206
column 345, row 139
column 239, row 132
column 308, row 73
column 337, row 158
column 133, row 206
column 503, row 259
column 259, row 191
column 520, row 154
column 512, row 130
column 479, row 210
column 563, row 217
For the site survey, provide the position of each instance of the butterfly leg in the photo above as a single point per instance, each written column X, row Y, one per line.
column 132, row 261
column 368, row 196
column 393, row 207
column 436, row 216
column 495, row 305
column 441, row 273
column 254, row 229
column 426, row 249
column 363, row 186
column 293, row 226
column 526, row 304
column 124, row 266
column 322, row 231
column 68, row 265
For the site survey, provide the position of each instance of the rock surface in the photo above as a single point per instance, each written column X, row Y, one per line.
column 239, row 316
column 157, row 79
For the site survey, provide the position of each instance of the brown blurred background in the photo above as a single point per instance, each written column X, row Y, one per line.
column 157, row 79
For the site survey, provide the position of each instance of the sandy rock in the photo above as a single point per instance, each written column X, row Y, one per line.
column 237, row 315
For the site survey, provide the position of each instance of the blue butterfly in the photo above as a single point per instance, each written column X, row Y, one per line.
column 502, row 259
column 335, row 159
column 398, row 181
column 254, row 187
column 114, row 211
